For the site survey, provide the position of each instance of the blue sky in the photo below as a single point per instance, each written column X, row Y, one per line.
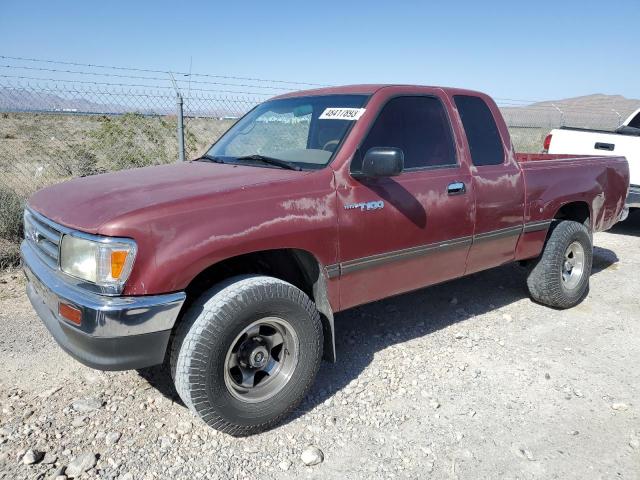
column 523, row 50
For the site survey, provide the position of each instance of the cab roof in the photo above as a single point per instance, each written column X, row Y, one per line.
column 370, row 89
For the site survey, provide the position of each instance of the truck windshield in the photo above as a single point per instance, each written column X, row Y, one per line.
column 303, row 131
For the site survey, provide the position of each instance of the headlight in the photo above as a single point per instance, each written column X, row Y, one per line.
column 106, row 262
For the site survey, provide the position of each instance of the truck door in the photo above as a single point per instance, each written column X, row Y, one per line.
column 498, row 184
column 402, row 233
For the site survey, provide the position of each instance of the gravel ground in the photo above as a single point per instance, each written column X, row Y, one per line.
column 465, row 380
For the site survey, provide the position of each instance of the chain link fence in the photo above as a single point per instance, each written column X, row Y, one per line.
column 98, row 119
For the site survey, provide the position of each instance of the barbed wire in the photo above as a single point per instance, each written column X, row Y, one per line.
column 138, row 77
column 114, row 84
column 148, row 70
column 503, row 102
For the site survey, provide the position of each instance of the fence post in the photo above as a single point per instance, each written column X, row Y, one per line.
column 180, row 118
column 561, row 114
column 619, row 117
column 180, row 128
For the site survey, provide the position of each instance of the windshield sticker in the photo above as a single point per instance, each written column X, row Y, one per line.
column 342, row 113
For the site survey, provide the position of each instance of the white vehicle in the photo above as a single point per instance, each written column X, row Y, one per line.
column 624, row 141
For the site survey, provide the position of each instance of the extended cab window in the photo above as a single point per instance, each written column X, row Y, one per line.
column 417, row 125
column 481, row 129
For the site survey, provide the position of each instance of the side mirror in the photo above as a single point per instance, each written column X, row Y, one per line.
column 383, row 162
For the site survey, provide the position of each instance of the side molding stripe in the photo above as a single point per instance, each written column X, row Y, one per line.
column 383, row 258
column 536, row 226
column 497, row 234
column 350, row 266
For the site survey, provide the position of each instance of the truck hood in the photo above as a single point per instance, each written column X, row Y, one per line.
column 88, row 203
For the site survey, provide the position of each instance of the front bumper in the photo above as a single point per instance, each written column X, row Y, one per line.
column 633, row 199
column 116, row 333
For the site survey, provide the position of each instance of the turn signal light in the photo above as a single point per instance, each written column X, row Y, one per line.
column 118, row 259
column 73, row 314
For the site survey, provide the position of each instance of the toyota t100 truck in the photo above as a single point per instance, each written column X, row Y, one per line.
column 230, row 268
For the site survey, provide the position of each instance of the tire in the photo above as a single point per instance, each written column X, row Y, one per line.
column 224, row 337
column 551, row 281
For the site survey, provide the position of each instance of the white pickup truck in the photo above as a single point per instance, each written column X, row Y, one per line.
column 624, row 141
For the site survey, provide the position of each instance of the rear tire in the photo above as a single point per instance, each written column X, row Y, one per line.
column 246, row 353
column 559, row 278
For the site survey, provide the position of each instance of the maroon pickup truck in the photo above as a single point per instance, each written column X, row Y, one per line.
column 230, row 268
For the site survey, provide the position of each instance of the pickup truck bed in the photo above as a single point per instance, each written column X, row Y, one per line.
column 540, row 175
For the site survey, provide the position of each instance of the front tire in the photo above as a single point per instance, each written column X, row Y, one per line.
column 559, row 278
column 246, row 353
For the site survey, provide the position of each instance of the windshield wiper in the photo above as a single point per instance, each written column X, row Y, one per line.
column 271, row 161
column 210, row 158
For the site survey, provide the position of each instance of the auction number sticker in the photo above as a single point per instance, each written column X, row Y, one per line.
column 342, row 113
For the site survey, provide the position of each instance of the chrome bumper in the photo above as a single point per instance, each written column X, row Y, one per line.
column 116, row 333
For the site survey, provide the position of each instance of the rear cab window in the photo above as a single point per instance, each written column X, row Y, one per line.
column 482, row 132
column 635, row 121
column 419, row 126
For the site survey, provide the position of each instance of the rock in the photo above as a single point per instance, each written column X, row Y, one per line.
column 634, row 443
column 429, row 467
column 184, row 428
column 165, row 442
column 453, row 301
column 87, row 404
column 312, row 455
column 285, row 465
column 112, row 438
column 32, row 456
column 434, row 404
column 49, row 458
column 620, row 406
column 81, row 464
column 79, row 422
column 58, row 474
column 524, row 453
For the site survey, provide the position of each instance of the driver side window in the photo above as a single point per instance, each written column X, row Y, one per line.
column 419, row 126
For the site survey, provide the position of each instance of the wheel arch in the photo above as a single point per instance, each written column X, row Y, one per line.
column 578, row 211
column 299, row 267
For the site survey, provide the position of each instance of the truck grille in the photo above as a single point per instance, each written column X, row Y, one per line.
column 44, row 236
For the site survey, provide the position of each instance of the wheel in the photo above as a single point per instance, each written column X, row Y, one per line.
column 560, row 276
column 246, row 353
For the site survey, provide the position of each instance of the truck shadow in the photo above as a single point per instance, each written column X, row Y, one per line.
column 631, row 226
column 365, row 330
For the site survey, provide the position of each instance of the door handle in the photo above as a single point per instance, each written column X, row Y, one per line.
column 456, row 188
column 605, row 146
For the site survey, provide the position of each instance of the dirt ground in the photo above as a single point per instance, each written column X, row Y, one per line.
column 466, row 380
